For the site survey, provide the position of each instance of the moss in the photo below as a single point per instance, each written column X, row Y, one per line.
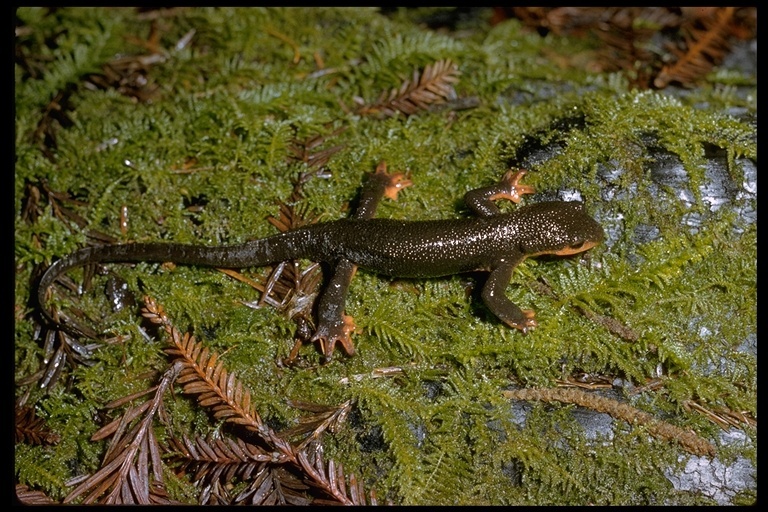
column 230, row 104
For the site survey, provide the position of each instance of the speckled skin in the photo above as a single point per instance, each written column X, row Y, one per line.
column 494, row 242
column 443, row 247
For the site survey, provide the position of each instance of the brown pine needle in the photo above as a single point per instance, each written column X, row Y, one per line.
column 433, row 86
column 704, row 48
column 290, row 42
column 200, row 373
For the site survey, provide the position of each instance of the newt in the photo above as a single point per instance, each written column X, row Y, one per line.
column 491, row 241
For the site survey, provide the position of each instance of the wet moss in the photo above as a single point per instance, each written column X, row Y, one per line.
column 229, row 105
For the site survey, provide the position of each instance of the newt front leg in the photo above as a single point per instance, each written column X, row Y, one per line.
column 496, row 300
column 481, row 199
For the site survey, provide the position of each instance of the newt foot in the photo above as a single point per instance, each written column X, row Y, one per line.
column 394, row 182
column 528, row 324
column 511, row 188
column 328, row 335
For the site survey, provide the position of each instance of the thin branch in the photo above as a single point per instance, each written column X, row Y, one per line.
column 658, row 428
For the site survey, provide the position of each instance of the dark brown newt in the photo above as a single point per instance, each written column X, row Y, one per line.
column 492, row 241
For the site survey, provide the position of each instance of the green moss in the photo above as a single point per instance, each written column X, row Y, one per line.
column 232, row 102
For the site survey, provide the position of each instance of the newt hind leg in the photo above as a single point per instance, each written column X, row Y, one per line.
column 333, row 326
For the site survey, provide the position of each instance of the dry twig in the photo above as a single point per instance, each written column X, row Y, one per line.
column 658, row 428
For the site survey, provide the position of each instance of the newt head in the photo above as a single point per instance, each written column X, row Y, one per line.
column 557, row 227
